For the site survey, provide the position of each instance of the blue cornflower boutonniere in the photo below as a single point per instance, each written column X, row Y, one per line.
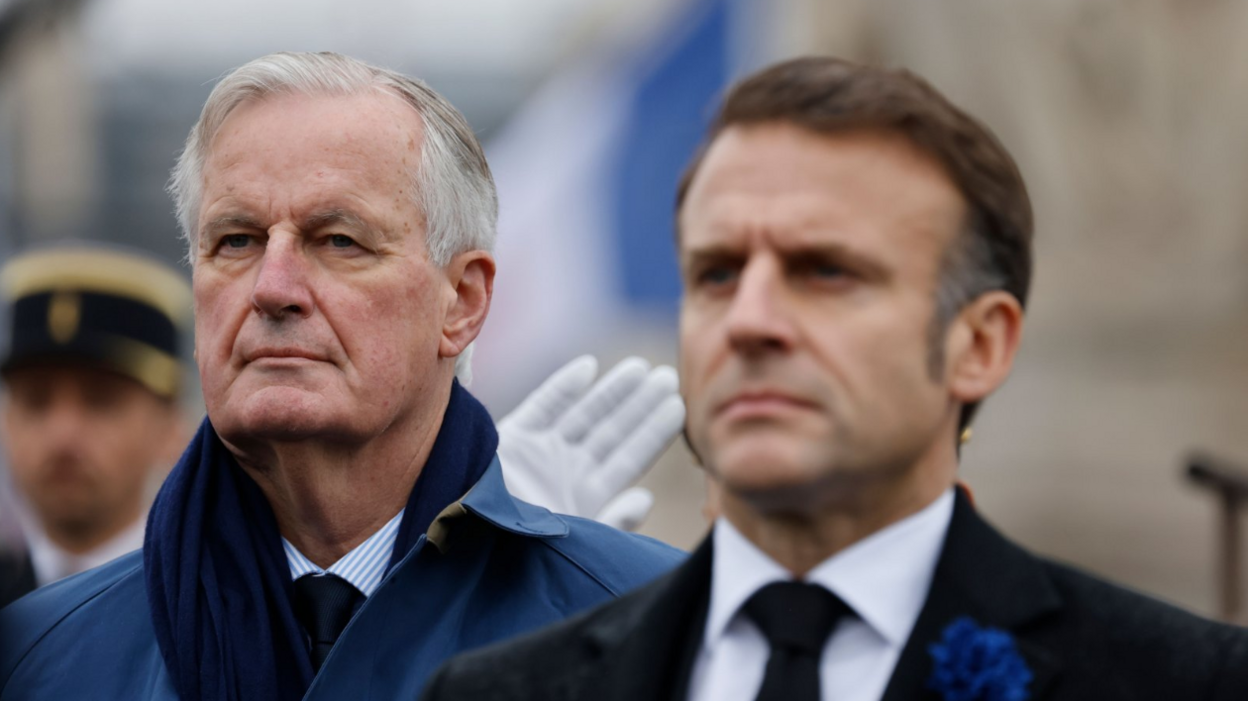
column 978, row 664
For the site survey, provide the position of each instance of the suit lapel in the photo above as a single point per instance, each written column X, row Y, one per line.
column 982, row 575
column 646, row 651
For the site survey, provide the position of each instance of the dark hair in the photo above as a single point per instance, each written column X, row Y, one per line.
column 825, row 94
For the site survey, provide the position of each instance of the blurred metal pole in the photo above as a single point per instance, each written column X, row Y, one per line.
column 1231, row 485
column 1231, row 556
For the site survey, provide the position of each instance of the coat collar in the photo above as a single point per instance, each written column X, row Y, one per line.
column 490, row 501
column 423, row 585
column 982, row 575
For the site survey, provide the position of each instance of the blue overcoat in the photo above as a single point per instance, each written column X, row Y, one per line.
column 495, row 567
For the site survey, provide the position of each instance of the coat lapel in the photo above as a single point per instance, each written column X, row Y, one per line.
column 982, row 575
column 647, row 648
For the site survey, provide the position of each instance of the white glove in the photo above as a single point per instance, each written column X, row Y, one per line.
column 574, row 449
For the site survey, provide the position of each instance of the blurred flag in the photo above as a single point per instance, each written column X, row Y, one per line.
column 587, row 173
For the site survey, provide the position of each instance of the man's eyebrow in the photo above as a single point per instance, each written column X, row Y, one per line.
column 838, row 254
column 333, row 217
column 717, row 251
column 701, row 256
column 833, row 252
column 232, row 221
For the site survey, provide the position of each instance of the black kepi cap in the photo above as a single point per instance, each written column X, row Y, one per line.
column 104, row 306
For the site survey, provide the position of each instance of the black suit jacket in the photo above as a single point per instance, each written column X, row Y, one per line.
column 1082, row 638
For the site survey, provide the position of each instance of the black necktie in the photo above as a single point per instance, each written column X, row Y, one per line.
column 797, row 619
column 324, row 606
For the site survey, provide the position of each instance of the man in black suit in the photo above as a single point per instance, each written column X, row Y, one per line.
column 856, row 253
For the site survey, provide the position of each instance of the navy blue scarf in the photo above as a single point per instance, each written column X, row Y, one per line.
column 217, row 579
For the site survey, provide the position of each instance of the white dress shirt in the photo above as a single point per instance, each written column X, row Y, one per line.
column 884, row 578
column 52, row 562
column 363, row 567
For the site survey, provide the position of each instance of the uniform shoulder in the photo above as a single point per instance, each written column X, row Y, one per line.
column 28, row 620
column 619, row 561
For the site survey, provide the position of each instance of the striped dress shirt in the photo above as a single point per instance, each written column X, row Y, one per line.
column 363, row 567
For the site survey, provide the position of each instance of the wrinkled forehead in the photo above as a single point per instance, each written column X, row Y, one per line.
column 311, row 158
column 373, row 124
column 777, row 182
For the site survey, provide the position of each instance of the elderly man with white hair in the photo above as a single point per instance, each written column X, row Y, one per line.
column 339, row 525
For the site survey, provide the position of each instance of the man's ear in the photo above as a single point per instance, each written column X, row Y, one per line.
column 471, row 276
column 981, row 345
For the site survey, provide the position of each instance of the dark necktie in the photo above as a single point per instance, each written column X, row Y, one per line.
column 796, row 618
column 324, row 606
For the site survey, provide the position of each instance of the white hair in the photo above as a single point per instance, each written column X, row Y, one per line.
column 453, row 186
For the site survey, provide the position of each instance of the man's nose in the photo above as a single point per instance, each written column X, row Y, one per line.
column 283, row 286
column 758, row 317
column 65, row 422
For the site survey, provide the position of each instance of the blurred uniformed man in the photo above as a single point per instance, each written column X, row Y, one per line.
column 90, row 403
